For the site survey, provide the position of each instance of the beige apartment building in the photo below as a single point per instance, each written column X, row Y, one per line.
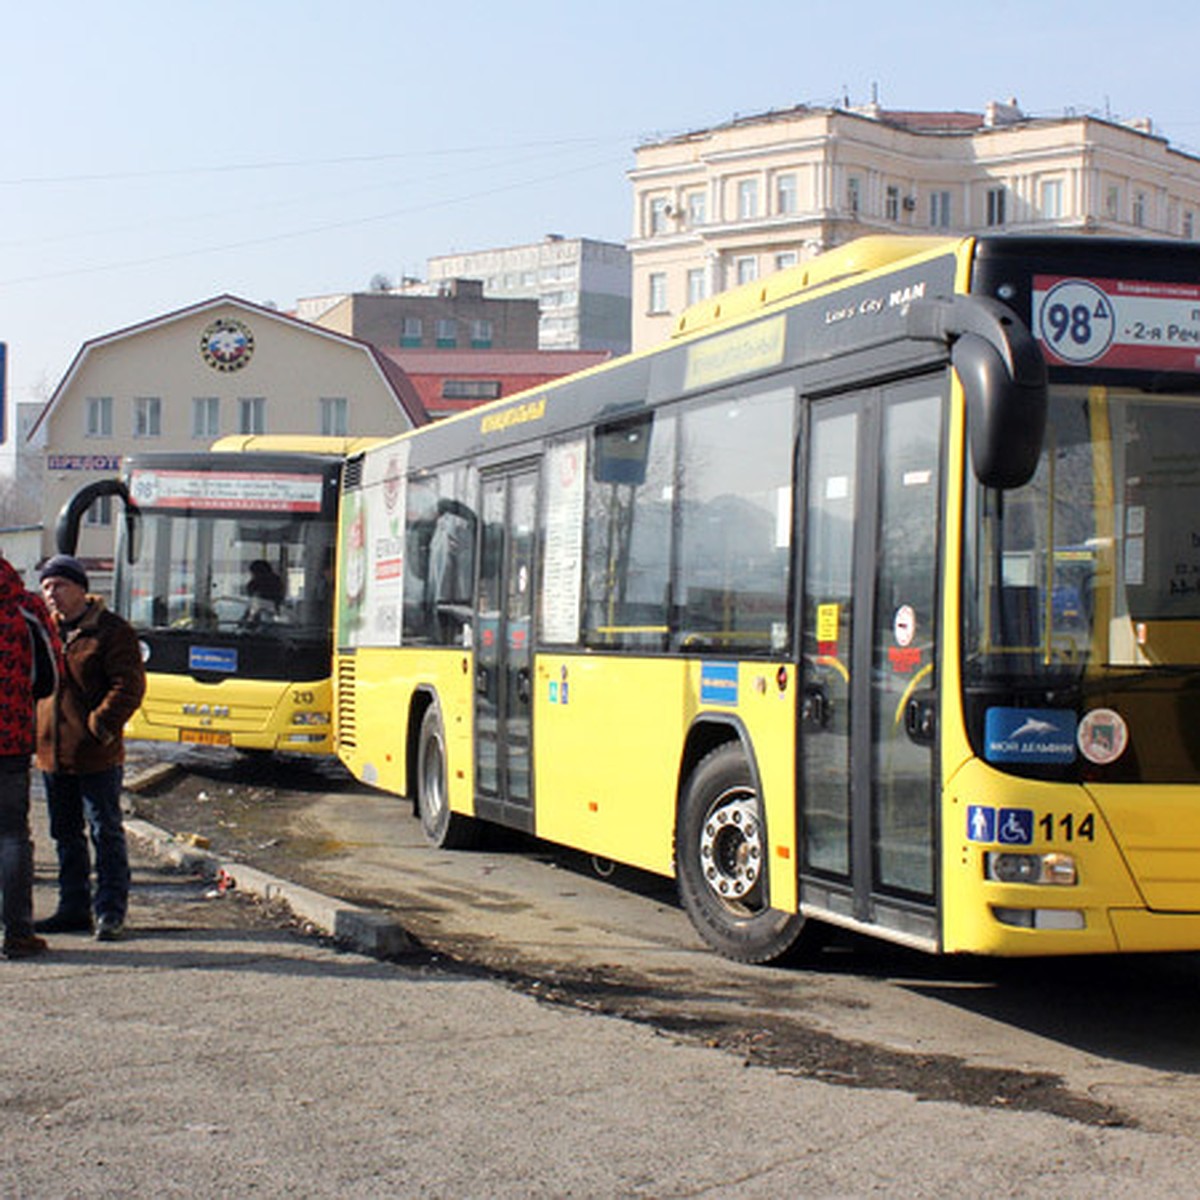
column 184, row 379
column 724, row 206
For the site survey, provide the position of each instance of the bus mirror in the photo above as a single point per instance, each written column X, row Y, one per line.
column 1005, row 420
column 66, row 529
column 1003, row 377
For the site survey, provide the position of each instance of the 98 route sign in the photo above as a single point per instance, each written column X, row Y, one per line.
column 1117, row 323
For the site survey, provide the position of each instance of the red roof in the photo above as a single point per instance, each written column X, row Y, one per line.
column 511, row 370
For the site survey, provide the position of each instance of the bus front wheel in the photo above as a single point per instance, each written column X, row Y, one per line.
column 442, row 828
column 720, row 864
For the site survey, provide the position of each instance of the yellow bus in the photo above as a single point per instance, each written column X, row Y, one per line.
column 224, row 566
column 871, row 599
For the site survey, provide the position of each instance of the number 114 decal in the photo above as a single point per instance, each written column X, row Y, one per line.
column 1068, row 827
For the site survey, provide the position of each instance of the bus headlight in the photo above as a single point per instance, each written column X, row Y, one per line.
column 1055, row 869
column 310, row 718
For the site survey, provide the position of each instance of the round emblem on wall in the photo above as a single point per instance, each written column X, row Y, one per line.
column 227, row 344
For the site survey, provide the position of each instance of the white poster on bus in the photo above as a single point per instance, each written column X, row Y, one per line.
column 372, row 558
column 562, row 574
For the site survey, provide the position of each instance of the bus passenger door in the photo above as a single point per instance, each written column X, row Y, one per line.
column 504, row 648
column 871, row 557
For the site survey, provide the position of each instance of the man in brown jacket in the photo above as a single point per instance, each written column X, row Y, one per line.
column 81, row 750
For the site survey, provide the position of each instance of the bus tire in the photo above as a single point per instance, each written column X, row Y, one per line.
column 442, row 828
column 720, row 864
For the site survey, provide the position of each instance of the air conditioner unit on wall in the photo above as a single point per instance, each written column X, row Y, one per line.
column 910, row 203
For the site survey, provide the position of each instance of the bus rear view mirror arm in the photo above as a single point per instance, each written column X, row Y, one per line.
column 66, row 528
column 1003, row 376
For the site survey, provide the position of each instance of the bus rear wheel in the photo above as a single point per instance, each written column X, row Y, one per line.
column 442, row 828
column 720, row 864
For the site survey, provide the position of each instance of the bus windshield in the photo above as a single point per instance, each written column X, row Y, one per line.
column 1092, row 570
column 239, row 576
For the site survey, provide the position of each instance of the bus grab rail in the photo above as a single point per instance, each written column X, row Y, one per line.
column 1003, row 376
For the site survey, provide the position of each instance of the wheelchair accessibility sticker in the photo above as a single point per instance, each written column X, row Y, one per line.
column 1008, row 826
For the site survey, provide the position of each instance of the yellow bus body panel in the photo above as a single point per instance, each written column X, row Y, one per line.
column 250, row 714
column 622, row 806
column 1158, row 829
column 386, row 681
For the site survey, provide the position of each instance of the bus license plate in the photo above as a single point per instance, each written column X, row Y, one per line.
column 204, row 737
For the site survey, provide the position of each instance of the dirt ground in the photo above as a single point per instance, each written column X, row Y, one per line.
column 252, row 809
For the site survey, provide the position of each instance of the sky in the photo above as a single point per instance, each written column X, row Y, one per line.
column 157, row 154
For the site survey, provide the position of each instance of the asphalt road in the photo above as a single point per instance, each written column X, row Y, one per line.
column 221, row 1047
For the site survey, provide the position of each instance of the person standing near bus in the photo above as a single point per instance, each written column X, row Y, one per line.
column 81, row 751
column 25, row 626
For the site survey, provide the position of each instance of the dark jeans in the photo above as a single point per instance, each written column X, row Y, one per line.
column 95, row 799
column 16, row 849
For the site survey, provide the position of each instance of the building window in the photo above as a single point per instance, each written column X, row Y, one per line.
column 410, row 332
column 252, row 414
column 697, row 208
column 1139, row 209
column 1189, row 224
column 939, row 210
column 659, row 212
column 745, row 268
column 99, row 512
column 446, row 333
column 1112, row 202
column 785, row 259
column 747, row 199
column 481, row 335
column 147, row 417
column 854, row 195
column 996, row 206
column 470, row 389
column 335, row 416
column 1052, row 199
column 657, row 298
column 99, row 416
column 204, row 416
column 892, row 202
column 785, row 195
column 697, row 285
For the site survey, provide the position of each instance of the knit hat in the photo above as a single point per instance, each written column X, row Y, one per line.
column 63, row 566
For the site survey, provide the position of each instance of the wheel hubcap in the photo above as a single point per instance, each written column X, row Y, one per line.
column 431, row 780
column 731, row 850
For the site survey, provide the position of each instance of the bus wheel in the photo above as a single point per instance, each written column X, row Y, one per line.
column 442, row 828
column 720, row 861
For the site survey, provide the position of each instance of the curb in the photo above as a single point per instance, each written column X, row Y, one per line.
column 349, row 925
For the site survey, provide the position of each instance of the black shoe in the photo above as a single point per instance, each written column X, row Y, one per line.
column 28, row 946
column 65, row 922
column 109, row 929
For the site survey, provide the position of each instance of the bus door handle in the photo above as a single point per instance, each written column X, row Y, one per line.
column 920, row 718
column 815, row 706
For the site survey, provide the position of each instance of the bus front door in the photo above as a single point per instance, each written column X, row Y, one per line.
column 504, row 649
column 867, row 759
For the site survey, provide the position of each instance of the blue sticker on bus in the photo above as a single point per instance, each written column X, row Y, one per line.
column 1014, row 827
column 1030, row 735
column 212, row 658
column 718, row 683
column 981, row 823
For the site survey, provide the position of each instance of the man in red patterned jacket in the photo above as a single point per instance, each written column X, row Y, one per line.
column 23, row 617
